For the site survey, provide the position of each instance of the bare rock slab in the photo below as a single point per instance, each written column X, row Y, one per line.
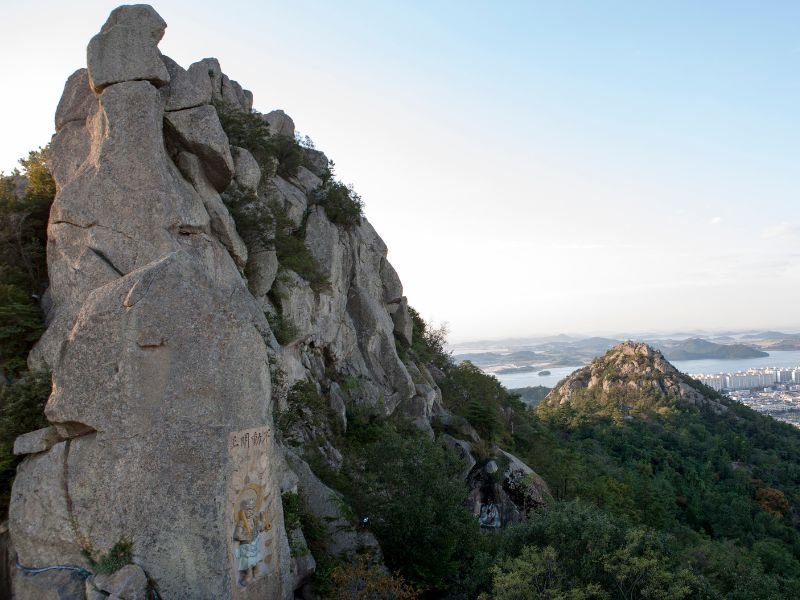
column 77, row 102
column 200, row 132
column 403, row 325
column 51, row 585
column 174, row 381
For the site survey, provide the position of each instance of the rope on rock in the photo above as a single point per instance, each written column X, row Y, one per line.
column 84, row 573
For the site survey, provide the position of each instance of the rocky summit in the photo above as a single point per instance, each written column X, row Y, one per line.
column 205, row 274
column 631, row 378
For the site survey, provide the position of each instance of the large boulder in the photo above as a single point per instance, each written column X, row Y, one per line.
column 403, row 325
column 503, row 490
column 126, row 49
column 187, row 88
column 37, row 441
column 248, row 173
column 280, row 123
column 290, row 197
column 130, row 583
column 222, row 224
column 125, row 203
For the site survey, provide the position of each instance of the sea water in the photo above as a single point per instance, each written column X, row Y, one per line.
column 784, row 359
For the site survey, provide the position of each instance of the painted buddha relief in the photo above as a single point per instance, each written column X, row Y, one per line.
column 250, row 506
column 251, row 523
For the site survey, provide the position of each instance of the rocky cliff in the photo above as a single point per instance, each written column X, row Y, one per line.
column 208, row 277
column 159, row 344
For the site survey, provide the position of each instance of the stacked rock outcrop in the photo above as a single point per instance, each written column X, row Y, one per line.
column 161, row 407
column 163, row 360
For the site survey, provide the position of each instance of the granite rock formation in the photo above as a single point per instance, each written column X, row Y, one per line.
column 177, row 327
column 161, row 407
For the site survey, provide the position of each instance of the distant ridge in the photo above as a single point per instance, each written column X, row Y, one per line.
column 697, row 349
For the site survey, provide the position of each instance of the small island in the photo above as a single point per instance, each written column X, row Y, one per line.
column 509, row 370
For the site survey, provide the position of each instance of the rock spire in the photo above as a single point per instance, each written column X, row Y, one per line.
column 161, row 407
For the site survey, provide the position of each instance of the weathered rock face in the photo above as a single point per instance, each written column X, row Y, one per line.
column 161, row 402
column 199, row 131
column 164, row 363
column 280, row 123
column 350, row 328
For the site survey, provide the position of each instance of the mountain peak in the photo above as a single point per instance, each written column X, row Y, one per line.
column 631, row 378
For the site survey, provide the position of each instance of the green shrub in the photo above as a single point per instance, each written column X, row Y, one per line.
column 21, row 325
column 288, row 153
column 246, row 130
column 407, row 485
column 21, row 410
column 268, row 226
column 292, row 509
column 304, row 404
column 471, row 393
column 296, row 513
column 429, row 344
column 40, row 181
column 250, row 131
column 253, row 221
column 292, row 251
column 284, row 330
column 293, row 254
column 23, row 266
column 342, row 204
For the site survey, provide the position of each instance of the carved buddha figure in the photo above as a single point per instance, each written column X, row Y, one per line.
column 247, row 534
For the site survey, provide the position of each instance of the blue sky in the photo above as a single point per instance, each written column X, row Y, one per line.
column 533, row 167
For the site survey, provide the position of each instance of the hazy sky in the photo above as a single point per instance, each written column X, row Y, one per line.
column 534, row 167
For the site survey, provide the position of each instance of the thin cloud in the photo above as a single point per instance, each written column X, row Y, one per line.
column 791, row 230
column 715, row 221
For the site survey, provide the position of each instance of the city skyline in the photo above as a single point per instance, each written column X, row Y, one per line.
column 751, row 378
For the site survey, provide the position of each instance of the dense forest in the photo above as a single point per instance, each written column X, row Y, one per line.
column 681, row 503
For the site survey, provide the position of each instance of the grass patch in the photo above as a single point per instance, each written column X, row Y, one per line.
column 118, row 556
